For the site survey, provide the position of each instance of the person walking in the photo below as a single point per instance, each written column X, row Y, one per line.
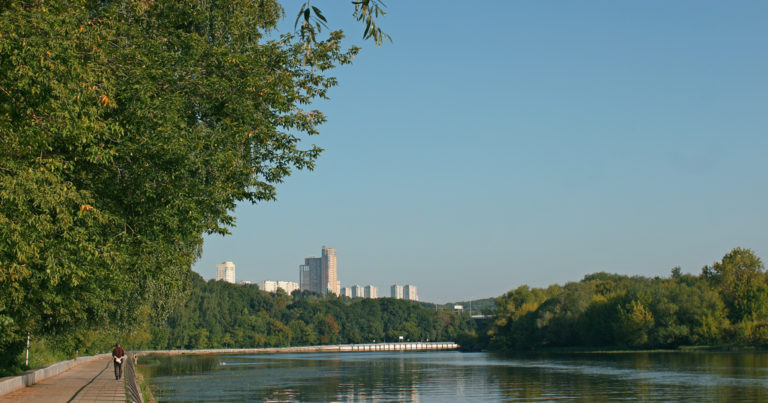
column 117, row 358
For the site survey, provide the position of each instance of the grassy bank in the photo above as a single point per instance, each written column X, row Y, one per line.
column 142, row 377
column 42, row 353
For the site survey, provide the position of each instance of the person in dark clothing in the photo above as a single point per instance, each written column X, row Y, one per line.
column 117, row 358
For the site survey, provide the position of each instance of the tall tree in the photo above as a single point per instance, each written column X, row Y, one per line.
column 128, row 129
column 741, row 282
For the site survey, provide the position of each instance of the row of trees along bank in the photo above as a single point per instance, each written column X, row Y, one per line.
column 726, row 304
column 216, row 314
column 222, row 315
column 128, row 130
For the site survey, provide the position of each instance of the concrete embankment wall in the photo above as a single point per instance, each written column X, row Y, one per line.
column 12, row 383
column 334, row 348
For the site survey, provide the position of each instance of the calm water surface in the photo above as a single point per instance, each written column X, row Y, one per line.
column 444, row 376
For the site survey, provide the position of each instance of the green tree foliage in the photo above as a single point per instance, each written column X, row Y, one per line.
column 513, row 325
column 726, row 304
column 220, row 315
column 741, row 282
column 128, row 129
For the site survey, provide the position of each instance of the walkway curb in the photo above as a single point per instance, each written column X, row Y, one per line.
column 29, row 378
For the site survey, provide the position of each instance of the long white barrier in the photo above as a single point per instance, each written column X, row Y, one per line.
column 404, row 346
column 13, row 383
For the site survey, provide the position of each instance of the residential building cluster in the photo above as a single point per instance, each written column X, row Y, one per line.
column 369, row 291
column 407, row 291
column 319, row 275
column 273, row 286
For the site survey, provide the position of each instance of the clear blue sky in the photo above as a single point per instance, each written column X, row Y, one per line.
column 501, row 143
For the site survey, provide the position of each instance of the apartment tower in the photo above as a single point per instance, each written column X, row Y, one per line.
column 331, row 283
column 397, row 291
column 225, row 271
column 371, row 292
column 409, row 292
column 310, row 275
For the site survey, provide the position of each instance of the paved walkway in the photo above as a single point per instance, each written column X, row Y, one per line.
column 93, row 381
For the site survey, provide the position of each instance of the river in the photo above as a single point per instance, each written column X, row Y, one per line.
column 451, row 376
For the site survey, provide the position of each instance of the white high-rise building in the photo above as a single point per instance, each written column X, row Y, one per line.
column 397, row 291
column 272, row 286
column 225, row 271
column 409, row 292
column 346, row 292
column 358, row 292
column 371, row 292
column 331, row 283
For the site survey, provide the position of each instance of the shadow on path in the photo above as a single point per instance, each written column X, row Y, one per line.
column 89, row 382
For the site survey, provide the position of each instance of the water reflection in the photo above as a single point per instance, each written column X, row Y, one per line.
column 644, row 376
column 453, row 376
column 180, row 364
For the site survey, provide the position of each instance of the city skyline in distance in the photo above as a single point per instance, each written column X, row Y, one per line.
column 569, row 140
column 319, row 275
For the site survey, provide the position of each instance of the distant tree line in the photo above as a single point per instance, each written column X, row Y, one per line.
column 726, row 304
column 216, row 314
column 222, row 315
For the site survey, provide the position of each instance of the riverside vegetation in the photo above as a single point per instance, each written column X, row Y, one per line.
column 130, row 129
column 216, row 314
column 727, row 304
column 222, row 315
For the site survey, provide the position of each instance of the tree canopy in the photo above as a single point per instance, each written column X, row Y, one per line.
column 130, row 129
column 221, row 315
column 727, row 304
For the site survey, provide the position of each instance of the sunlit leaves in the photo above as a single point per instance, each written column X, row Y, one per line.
column 742, row 284
column 313, row 21
column 127, row 131
column 368, row 11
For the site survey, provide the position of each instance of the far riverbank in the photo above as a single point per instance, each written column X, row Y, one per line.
column 334, row 348
column 615, row 350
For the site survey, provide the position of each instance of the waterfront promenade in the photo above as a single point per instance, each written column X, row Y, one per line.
column 92, row 381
